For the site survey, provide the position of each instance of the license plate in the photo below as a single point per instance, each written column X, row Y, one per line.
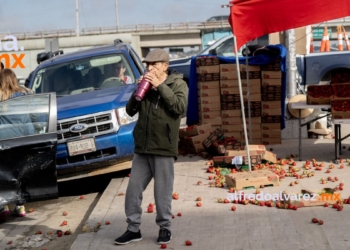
column 81, row 146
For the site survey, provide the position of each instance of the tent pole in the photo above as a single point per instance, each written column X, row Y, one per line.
column 242, row 105
column 248, row 94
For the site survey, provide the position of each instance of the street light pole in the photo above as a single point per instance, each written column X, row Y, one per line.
column 77, row 17
column 116, row 13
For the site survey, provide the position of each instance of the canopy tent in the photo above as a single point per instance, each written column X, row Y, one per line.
column 250, row 19
column 192, row 109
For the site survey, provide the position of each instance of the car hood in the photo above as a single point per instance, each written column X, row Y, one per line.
column 94, row 101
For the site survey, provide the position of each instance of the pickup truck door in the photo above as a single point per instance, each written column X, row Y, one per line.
column 28, row 142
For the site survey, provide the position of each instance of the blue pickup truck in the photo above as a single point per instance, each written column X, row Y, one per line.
column 94, row 133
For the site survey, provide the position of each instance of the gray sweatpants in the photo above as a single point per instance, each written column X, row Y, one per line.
column 144, row 168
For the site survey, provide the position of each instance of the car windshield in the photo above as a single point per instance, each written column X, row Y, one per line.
column 84, row 75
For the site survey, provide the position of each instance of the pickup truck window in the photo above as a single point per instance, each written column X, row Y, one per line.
column 84, row 75
column 25, row 115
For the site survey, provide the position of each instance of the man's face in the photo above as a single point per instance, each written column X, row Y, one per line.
column 158, row 68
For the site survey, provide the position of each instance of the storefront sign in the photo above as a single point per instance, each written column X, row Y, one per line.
column 9, row 45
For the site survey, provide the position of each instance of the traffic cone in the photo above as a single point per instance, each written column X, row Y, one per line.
column 311, row 44
column 346, row 39
column 325, row 40
column 340, row 39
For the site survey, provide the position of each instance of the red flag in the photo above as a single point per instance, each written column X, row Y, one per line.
column 250, row 19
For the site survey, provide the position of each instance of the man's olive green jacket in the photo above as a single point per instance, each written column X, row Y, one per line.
column 157, row 129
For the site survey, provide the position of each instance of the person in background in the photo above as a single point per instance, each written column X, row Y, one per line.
column 9, row 88
column 156, row 145
column 120, row 70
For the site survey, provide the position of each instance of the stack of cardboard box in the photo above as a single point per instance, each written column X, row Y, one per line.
column 231, row 104
column 271, row 94
column 219, row 99
column 208, row 86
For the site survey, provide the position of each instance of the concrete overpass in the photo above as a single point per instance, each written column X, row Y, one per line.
column 141, row 37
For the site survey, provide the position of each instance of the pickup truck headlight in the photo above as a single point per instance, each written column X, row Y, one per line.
column 124, row 118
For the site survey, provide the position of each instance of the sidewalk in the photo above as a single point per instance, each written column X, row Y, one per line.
column 215, row 226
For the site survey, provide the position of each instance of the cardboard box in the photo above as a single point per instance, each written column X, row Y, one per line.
column 208, row 85
column 253, row 98
column 270, row 126
column 209, row 100
column 244, row 67
column 271, row 134
column 254, row 89
column 195, row 130
column 207, row 61
column 254, row 127
column 212, row 121
column 237, row 98
column 255, row 157
column 254, row 179
column 210, row 114
column 271, row 82
column 274, row 66
column 232, row 121
column 208, row 77
column 271, row 74
column 341, row 91
column 207, row 69
column 251, row 74
column 230, row 105
column 236, row 135
column 271, row 105
column 253, row 120
column 194, row 140
column 271, row 141
column 222, row 148
column 230, row 98
column 216, row 135
column 232, row 128
column 252, row 141
column 256, row 147
column 309, row 198
column 209, row 107
column 319, row 94
column 271, row 93
column 266, row 155
column 234, row 83
column 271, row 112
column 271, row 119
column 231, row 113
column 340, row 76
column 255, row 134
column 209, row 92
column 226, row 76
column 228, row 67
column 341, row 108
column 253, row 112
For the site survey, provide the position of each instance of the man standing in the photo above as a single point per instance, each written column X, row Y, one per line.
column 156, row 145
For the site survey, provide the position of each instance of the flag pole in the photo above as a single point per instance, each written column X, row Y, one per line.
column 248, row 94
column 242, row 105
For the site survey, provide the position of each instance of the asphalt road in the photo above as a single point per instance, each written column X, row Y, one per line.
column 77, row 198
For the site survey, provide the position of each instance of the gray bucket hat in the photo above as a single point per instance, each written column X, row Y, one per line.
column 157, row 55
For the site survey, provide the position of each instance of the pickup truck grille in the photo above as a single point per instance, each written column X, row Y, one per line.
column 98, row 124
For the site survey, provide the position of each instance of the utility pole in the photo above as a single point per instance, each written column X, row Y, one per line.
column 116, row 13
column 77, row 16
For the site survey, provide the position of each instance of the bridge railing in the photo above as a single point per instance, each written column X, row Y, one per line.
column 119, row 29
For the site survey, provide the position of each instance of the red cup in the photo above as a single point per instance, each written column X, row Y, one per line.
column 142, row 89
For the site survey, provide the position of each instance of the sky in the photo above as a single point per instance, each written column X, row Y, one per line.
column 44, row 15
